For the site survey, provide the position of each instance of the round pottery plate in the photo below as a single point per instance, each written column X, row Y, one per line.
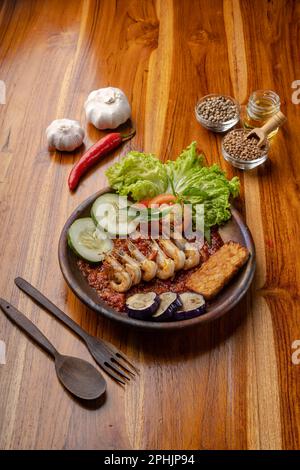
column 235, row 229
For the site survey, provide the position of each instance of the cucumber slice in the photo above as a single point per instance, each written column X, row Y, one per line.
column 87, row 241
column 111, row 198
column 110, row 213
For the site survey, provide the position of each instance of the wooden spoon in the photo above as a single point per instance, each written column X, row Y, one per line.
column 78, row 376
column 262, row 132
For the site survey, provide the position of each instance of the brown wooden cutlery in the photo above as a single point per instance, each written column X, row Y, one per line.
column 78, row 376
column 108, row 357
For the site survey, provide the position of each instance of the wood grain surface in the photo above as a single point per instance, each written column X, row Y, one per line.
column 227, row 385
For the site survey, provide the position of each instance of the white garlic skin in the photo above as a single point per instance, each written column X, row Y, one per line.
column 107, row 108
column 65, row 135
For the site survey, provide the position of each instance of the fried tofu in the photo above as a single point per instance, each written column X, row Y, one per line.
column 218, row 270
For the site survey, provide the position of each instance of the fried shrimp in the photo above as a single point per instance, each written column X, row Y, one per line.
column 148, row 267
column 173, row 252
column 191, row 251
column 166, row 266
column 131, row 266
column 121, row 280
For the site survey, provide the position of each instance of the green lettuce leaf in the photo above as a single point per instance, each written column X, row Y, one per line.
column 199, row 184
column 139, row 175
column 179, row 170
column 143, row 176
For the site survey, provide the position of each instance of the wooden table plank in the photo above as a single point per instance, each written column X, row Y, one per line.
column 228, row 385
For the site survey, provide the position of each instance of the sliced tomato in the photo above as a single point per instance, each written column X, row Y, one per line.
column 145, row 202
column 162, row 199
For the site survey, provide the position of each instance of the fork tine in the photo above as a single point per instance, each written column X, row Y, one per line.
column 122, row 356
column 114, row 367
column 110, row 372
column 119, row 361
column 114, row 351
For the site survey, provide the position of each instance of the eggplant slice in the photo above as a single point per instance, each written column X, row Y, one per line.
column 165, row 307
column 169, row 303
column 193, row 305
column 142, row 306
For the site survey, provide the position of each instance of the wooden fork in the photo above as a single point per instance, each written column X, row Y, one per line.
column 114, row 362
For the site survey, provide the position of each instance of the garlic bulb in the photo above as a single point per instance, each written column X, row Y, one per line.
column 107, row 108
column 64, row 135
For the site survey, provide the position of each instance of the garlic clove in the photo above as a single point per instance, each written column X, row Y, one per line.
column 64, row 135
column 107, row 108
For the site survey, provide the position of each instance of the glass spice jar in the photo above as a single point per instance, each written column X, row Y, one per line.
column 262, row 105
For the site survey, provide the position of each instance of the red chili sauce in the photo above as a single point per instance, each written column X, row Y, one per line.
column 99, row 276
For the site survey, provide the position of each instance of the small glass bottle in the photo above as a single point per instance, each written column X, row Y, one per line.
column 262, row 105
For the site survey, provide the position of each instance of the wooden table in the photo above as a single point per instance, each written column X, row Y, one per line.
column 231, row 384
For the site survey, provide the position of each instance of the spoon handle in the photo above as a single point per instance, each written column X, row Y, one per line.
column 275, row 121
column 26, row 325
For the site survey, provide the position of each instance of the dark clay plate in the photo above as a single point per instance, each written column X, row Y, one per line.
column 235, row 230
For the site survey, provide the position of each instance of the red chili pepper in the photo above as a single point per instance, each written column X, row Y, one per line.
column 94, row 154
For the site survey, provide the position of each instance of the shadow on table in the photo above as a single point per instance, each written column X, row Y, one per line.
column 172, row 346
